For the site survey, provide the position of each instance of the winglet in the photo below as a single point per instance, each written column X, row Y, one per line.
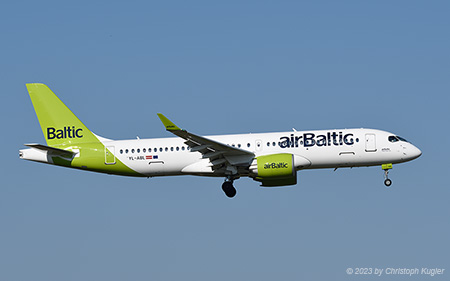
column 168, row 124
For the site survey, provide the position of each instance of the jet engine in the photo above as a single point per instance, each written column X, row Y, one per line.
column 277, row 169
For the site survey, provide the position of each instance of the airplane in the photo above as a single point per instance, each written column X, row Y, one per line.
column 272, row 159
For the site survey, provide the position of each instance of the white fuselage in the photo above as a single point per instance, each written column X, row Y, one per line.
column 321, row 149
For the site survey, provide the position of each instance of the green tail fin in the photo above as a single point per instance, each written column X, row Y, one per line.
column 60, row 126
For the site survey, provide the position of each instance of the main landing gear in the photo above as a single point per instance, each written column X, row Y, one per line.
column 228, row 188
column 386, row 168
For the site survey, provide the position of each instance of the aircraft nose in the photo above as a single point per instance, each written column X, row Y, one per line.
column 414, row 152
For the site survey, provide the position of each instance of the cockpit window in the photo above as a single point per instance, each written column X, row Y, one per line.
column 396, row 139
column 392, row 138
column 402, row 139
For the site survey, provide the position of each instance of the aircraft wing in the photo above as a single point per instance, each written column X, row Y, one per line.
column 220, row 155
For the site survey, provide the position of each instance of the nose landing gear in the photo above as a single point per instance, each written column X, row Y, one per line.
column 228, row 188
column 387, row 182
column 386, row 168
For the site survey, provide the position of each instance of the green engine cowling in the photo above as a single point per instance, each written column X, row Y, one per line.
column 275, row 170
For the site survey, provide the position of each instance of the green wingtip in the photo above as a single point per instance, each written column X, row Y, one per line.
column 170, row 126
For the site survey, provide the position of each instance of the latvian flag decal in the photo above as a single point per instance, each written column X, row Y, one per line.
column 151, row 157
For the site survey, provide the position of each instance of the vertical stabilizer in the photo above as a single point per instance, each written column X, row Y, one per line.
column 58, row 123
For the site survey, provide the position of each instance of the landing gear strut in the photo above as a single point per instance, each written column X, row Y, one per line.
column 228, row 188
column 386, row 168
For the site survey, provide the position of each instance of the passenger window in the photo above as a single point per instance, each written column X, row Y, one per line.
column 182, row 148
column 239, row 145
column 149, row 150
column 274, row 144
column 138, row 150
column 160, row 149
column 121, row 151
column 268, row 143
column 132, row 151
column 143, row 150
column 248, row 144
column 126, row 150
column 178, row 148
column 171, row 149
column 166, row 149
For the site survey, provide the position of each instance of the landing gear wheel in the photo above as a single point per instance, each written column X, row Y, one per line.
column 229, row 189
column 386, row 168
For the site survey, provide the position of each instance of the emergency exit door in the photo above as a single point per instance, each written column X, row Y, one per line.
column 110, row 157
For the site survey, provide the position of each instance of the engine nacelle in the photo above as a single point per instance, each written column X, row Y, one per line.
column 274, row 170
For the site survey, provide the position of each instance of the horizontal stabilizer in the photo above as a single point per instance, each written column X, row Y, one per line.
column 53, row 150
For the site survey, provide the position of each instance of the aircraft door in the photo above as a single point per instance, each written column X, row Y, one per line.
column 371, row 145
column 110, row 157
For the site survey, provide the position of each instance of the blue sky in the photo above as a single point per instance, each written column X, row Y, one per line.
column 218, row 68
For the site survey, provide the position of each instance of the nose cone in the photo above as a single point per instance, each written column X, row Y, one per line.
column 413, row 152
